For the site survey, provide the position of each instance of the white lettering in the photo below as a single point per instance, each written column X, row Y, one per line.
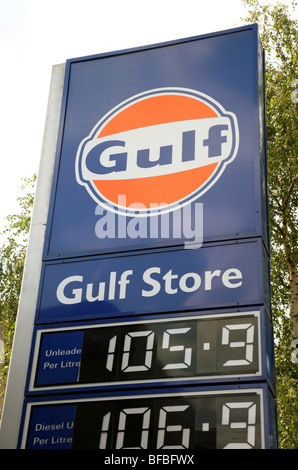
column 232, row 274
column 168, row 282
column 100, row 295
column 209, row 275
column 77, row 293
column 153, row 282
column 75, row 289
column 196, row 282
column 156, row 150
column 123, row 283
column 189, row 282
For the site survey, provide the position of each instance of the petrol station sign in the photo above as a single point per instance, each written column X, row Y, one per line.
column 179, row 419
column 188, row 348
column 153, row 309
column 161, row 146
column 213, row 276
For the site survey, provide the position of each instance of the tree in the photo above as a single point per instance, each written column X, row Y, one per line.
column 12, row 258
column 279, row 34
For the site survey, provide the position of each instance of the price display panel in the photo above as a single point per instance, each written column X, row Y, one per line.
column 221, row 418
column 161, row 350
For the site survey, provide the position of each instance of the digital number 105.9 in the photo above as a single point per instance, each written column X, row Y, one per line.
column 191, row 347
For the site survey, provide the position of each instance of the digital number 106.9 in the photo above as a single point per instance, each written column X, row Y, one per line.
column 214, row 421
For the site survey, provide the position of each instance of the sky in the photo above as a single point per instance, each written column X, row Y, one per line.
column 37, row 34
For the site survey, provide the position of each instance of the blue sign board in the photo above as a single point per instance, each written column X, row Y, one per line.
column 210, row 277
column 161, row 146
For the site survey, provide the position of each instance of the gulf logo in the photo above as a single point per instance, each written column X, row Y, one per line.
column 157, row 151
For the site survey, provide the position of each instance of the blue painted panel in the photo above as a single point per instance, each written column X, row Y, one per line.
column 210, row 277
column 51, row 428
column 223, row 69
column 63, row 350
